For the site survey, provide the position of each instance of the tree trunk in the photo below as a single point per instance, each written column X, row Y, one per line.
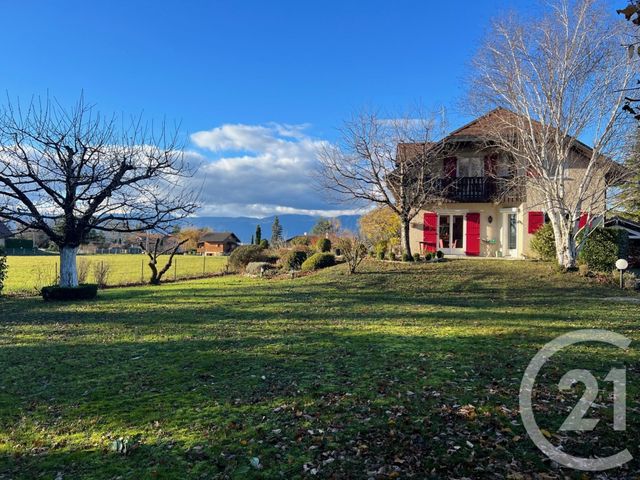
column 68, row 267
column 566, row 249
column 406, row 244
column 154, row 280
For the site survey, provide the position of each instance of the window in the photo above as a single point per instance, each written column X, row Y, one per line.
column 470, row 167
column 513, row 222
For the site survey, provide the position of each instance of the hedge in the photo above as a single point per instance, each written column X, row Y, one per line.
column 246, row 254
column 292, row 260
column 543, row 243
column 323, row 245
column 318, row 261
column 603, row 247
column 81, row 292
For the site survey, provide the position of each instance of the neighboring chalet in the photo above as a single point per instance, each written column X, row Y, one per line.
column 4, row 234
column 218, row 243
column 633, row 229
column 487, row 208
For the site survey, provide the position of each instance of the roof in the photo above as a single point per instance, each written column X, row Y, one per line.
column 629, row 225
column 4, row 231
column 219, row 237
column 482, row 127
column 484, row 123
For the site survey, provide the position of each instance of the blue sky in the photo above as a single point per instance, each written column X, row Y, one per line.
column 246, row 71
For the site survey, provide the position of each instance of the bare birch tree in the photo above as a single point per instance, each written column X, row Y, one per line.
column 386, row 162
column 69, row 172
column 561, row 77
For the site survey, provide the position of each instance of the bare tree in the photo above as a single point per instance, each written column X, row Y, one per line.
column 560, row 79
column 155, row 251
column 69, row 172
column 353, row 250
column 386, row 162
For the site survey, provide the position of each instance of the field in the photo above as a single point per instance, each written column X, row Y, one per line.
column 27, row 274
column 400, row 371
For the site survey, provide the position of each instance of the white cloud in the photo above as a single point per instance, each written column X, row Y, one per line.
column 260, row 170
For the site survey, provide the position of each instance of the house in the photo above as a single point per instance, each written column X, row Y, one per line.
column 4, row 234
column 487, row 207
column 633, row 229
column 218, row 243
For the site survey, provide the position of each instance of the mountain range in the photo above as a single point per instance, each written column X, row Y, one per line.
column 245, row 227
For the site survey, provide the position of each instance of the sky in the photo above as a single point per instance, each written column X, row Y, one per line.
column 257, row 87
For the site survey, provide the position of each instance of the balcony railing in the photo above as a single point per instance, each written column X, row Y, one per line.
column 483, row 189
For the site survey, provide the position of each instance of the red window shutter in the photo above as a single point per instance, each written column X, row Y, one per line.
column 430, row 231
column 450, row 167
column 536, row 220
column 583, row 220
column 473, row 234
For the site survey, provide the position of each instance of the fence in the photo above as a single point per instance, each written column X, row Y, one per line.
column 27, row 274
column 26, row 252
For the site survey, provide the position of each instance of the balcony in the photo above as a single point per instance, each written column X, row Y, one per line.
column 483, row 189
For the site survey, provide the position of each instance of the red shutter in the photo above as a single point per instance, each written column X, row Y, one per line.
column 473, row 234
column 450, row 167
column 583, row 220
column 430, row 231
column 536, row 220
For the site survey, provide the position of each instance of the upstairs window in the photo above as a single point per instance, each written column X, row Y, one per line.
column 470, row 167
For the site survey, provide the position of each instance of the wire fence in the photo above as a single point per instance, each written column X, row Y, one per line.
column 28, row 274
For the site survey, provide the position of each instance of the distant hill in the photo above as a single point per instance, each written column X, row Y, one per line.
column 245, row 227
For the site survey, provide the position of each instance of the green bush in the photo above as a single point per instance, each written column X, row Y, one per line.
column 543, row 243
column 292, row 260
column 323, row 245
column 603, row 247
column 246, row 254
column 264, row 243
column 3, row 269
column 428, row 256
column 439, row 254
column 381, row 249
column 81, row 292
column 406, row 257
column 392, row 256
column 318, row 261
column 416, row 257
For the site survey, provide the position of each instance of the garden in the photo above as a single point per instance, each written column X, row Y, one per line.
column 405, row 369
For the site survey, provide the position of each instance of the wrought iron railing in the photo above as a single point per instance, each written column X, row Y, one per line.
column 483, row 189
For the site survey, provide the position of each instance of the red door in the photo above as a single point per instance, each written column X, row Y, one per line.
column 430, row 231
column 473, row 234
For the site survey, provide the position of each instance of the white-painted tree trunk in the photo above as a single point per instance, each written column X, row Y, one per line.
column 566, row 249
column 68, row 267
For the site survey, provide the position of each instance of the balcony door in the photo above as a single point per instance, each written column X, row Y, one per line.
column 451, row 234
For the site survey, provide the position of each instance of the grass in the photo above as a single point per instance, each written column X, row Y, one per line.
column 402, row 370
column 28, row 274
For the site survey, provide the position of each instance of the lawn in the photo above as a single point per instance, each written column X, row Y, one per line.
column 28, row 274
column 400, row 371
